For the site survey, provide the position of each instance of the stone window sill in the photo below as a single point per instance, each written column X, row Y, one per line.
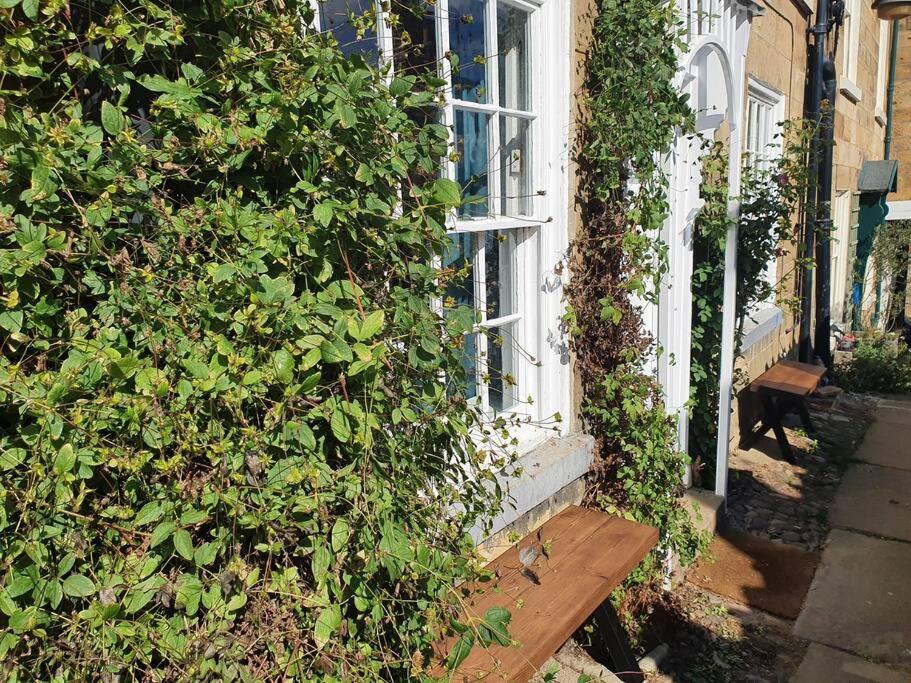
column 760, row 325
column 850, row 90
column 545, row 470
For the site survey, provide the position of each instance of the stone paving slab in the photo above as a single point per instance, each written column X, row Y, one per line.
column 825, row 664
column 860, row 599
column 888, row 445
column 876, row 500
column 894, row 414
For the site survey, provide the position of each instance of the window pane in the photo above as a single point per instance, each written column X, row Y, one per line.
column 460, row 291
column 469, row 363
column 471, row 167
column 467, row 24
column 512, row 61
column 499, row 275
column 334, row 16
column 414, row 40
column 515, row 188
column 502, row 356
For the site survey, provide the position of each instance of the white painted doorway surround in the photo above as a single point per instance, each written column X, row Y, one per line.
column 713, row 74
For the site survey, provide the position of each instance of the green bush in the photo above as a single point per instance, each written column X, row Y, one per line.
column 226, row 449
column 877, row 366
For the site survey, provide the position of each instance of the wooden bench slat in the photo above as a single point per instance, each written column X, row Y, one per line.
column 790, row 377
column 591, row 554
column 565, row 532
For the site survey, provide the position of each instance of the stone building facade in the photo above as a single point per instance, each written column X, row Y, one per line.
column 777, row 82
column 862, row 60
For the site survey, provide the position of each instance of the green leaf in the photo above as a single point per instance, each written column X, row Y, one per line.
column 340, row 425
column 161, row 533
column 446, row 192
column 282, row 364
column 372, row 325
column 319, row 563
column 205, row 554
column 327, row 623
column 346, row 114
column 224, row 272
column 188, row 593
column 336, row 351
column 11, row 321
column 65, row 460
column 183, row 544
column 12, row 457
column 400, row 86
column 30, row 8
column 323, row 213
column 149, row 513
column 495, row 620
column 460, row 651
column 78, row 586
column 111, row 118
column 341, row 532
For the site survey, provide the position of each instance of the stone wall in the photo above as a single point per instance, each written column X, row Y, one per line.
column 859, row 131
column 901, row 133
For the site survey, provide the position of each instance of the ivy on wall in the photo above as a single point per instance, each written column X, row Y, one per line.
column 633, row 111
column 225, row 452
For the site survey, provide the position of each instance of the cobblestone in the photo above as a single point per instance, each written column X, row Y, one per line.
column 770, row 498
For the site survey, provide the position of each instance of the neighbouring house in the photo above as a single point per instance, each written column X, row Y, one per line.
column 860, row 184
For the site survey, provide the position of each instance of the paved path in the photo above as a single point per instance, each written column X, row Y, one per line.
column 857, row 614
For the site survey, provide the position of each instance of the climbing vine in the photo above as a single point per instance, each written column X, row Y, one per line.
column 632, row 112
column 773, row 190
column 710, row 232
column 771, row 209
column 890, row 258
column 225, row 449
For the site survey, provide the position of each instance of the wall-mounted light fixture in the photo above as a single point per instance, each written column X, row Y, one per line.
column 892, row 9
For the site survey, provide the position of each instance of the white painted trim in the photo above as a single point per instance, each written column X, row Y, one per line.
column 899, row 211
column 546, row 470
column 760, row 325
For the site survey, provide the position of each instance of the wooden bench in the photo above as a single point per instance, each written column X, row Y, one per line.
column 782, row 388
column 572, row 564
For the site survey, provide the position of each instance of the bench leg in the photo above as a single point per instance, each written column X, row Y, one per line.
column 805, row 416
column 773, row 418
column 614, row 646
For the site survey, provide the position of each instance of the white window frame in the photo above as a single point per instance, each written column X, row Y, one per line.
column 764, row 113
column 542, row 236
column 882, row 68
column 850, row 45
column 762, row 145
column 702, row 17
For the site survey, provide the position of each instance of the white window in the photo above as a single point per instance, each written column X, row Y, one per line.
column 765, row 112
column 841, row 214
column 849, row 40
column 702, row 16
column 506, row 104
column 882, row 70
